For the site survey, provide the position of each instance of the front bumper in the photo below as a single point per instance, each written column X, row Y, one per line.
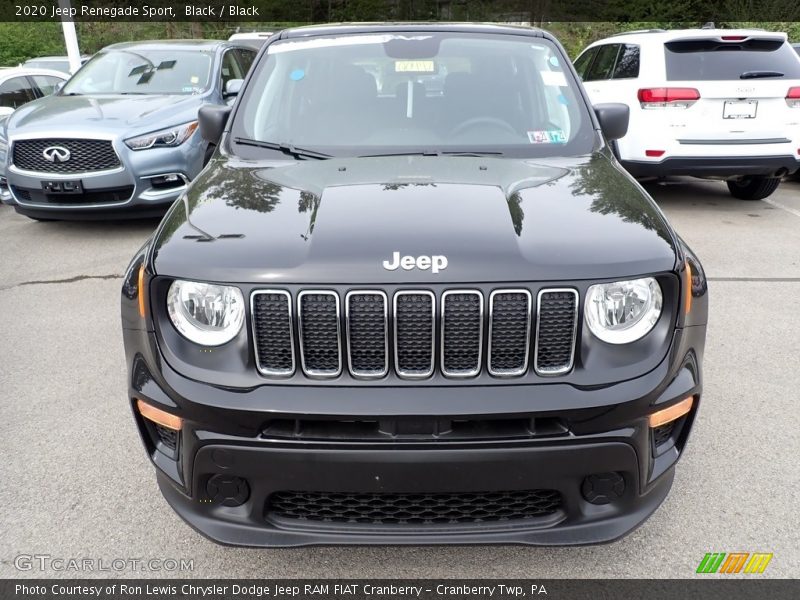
column 136, row 188
column 601, row 431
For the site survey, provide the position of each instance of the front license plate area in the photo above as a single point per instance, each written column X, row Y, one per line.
column 63, row 187
column 740, row 109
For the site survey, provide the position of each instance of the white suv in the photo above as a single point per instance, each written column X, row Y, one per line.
column 712, row 103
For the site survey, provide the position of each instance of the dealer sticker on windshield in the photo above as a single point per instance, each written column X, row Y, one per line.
column 414, row 66
column 551, row 136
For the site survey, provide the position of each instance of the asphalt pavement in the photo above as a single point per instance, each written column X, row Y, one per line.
column 76, row 482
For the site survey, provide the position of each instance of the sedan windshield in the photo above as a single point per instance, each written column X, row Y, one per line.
column 424, row 93
column 139, row 71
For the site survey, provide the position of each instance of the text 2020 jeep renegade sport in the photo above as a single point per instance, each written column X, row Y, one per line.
column 414, row 299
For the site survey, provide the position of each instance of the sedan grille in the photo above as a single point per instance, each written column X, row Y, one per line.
column 414, row 508
column 413, row 332
column 85, row 156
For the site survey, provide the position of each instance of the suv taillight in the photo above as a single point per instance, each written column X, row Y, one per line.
column 793, row 97
column 668, row 97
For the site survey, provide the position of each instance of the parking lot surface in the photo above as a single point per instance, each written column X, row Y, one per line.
column 77, row 484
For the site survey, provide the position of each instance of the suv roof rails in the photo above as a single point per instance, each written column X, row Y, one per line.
column 638, row 31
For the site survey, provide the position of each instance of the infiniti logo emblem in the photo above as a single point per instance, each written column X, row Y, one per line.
column 56, row 154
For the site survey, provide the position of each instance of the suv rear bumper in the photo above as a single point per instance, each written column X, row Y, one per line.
column 724, row 167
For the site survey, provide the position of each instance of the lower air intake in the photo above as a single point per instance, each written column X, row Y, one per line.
column 413, row 509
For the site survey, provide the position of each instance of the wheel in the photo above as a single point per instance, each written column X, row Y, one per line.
column 753, row 188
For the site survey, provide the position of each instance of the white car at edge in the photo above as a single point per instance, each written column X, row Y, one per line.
column 711, row 103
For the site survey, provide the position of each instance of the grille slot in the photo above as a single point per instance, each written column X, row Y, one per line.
column 168, row 437
column 272, row 332
column 462, row 333
column 320, row 339
column 400, row 509
column 414, row 331
column 663, row 433
column 86, row 156
column 509, row 332
column 367, row 333
column 556, row 322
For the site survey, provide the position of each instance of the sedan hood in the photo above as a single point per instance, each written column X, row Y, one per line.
column 107, row 113
column 337, row 221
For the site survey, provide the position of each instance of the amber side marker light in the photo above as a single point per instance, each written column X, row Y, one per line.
column 688, row 285
column 158, row 416
column 140, row 288
column 667, row 415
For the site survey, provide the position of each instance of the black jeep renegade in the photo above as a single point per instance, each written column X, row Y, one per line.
column 412, row 299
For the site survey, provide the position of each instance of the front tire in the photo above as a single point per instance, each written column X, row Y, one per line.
column 753, row 188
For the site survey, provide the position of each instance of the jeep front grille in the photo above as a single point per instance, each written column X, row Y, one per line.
column 414, row 332
column 86, row 156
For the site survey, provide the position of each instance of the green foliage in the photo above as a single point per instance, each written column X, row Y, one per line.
column 21, row 41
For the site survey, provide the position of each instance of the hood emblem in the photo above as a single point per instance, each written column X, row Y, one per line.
column 435, row 263
column 56, row 154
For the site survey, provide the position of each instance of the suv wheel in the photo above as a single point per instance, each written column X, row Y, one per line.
column 753, row 188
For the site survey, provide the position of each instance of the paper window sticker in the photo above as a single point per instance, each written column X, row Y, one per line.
column 554, row 78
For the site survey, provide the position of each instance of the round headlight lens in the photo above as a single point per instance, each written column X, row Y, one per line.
column 207, row 314
column 623, row 311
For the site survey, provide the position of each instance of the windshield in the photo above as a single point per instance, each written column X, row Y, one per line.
column 414, row 93
column 138, row 71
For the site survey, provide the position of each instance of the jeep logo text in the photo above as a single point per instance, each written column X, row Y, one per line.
column 435, row 263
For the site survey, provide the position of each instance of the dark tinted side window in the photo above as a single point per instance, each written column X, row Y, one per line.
column 697, row 60
column 246, row 58
column 603, row 64
column 15, row 92
column 583, row 62
column 627, row 62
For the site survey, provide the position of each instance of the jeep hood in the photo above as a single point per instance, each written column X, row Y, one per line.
column 336, row 221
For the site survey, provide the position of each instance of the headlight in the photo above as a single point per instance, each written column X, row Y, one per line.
column 207, row 314
column 623, row 311
column 166, row 138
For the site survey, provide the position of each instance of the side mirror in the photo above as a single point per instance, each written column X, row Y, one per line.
column 233, row 87
column 58, row 86
column 212, row 120
column 5, row 111
column 614, row 118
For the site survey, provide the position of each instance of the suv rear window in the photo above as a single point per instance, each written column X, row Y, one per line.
column 711, row 60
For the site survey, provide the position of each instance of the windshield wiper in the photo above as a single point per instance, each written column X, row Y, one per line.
column 284, row 147
column 759, row 74
column 435, row 153
column 472, row 153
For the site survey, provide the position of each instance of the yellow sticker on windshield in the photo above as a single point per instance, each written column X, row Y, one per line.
column 414, row 66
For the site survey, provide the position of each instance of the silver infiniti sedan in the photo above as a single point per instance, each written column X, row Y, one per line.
column 120, row 138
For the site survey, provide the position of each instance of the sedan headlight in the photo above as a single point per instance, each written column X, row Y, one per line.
column 623, row 311
column 207, row 314
column 165, row 138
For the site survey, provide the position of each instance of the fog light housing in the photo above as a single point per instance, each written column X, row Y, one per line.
column 228, row 490
column 603, row 488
